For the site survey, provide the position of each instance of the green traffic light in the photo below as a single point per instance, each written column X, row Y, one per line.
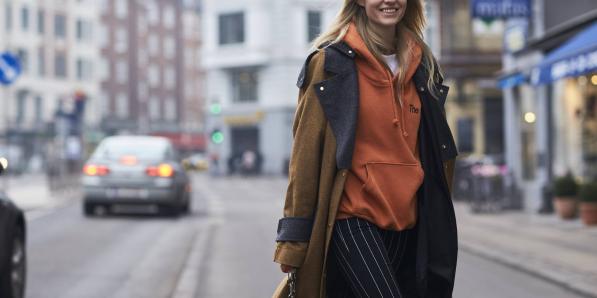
column 217, row 137
column 215, row 108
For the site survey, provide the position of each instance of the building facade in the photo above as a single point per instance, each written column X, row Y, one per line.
column 56, row 45
column 253, row 51
column 549, row 121
column 470, row 55
column 152, row 77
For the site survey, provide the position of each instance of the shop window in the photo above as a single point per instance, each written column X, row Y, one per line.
column 589, row 136
column 466, row 135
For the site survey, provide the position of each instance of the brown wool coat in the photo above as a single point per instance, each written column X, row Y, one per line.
column 315, row 183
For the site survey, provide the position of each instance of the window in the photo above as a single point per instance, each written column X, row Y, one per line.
column 154, row 108
column 60, row 26
column 232, row 28
column 102, row 72
column 84, row 30
column 169, row 47
column 170, row 78
column 24, row 59
column 41, row 61
column 122, row 105
column 141, row 24
column 153, row 13
column 122, row 71
column 154, row 76
column 25, row 18
column 84, row 69
column 244, row 85
column 142, row 91
column 169, row 17
column 121, row 44
column 170, row 109
column 60, row 65
column 103, row 6
column 41, row 19
column 39, row 110
column 102, row 36
column 121, row 8
column 20, row 108
column 142, row 56
column 313, row 24
column 8, row 16
column 154, row 45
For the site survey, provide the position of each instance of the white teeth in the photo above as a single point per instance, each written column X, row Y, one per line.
column 389, row 10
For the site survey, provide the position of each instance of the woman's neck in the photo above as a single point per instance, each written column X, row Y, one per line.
column 387, row 35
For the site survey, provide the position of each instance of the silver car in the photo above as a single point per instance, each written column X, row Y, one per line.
column 135, row 174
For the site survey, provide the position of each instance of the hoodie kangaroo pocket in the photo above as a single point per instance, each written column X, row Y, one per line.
column 393, row 187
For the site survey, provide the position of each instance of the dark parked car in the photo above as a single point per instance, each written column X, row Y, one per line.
column 135, row 174
column 12, row 247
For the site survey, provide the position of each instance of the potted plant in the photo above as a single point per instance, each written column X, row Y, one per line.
column 565, row 190
column 588, row 202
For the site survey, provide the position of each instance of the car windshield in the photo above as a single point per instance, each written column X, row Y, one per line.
column 141, row 148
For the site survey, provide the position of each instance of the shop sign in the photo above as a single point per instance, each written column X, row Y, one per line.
column 575, row 66
column 500, row 8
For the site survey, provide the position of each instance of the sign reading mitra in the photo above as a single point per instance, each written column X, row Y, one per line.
column 500, row 8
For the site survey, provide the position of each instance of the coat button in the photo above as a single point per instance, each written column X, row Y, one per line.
column 321, row 88
column 422, row 89
column 350, row 52
column 441, row 90
column 443, row 146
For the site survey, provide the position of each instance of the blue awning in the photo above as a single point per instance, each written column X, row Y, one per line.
column 576, row 57
column 512, row 80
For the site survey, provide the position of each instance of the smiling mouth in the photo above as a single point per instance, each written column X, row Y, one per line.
column 389, row 10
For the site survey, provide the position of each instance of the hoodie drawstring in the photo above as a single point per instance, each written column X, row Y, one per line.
column 396, row 121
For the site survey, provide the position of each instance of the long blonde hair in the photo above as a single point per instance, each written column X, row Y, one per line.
column 413, row 23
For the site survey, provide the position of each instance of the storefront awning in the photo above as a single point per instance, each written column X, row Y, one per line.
column 578, row 56
column 512, row 80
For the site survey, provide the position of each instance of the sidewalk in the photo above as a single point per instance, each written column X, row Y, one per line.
column 31, row 192
column 563, row 252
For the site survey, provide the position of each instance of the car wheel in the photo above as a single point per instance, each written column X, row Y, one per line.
column 12, row 285
column 186, row 208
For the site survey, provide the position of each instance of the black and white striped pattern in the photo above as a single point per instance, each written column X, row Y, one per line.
column 366, row 261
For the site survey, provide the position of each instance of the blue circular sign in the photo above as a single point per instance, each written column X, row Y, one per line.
column 10, row 68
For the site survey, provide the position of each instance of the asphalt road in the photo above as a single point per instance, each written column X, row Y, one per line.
column 228, row 240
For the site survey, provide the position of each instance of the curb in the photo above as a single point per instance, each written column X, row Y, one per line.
column 533, row 268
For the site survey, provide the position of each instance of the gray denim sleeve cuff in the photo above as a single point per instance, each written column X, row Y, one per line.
column 296, row 229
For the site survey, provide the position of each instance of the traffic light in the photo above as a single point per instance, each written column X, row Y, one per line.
column 215, row 108
column 217, row 137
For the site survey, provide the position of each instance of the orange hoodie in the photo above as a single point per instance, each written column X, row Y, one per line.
column 386, row 171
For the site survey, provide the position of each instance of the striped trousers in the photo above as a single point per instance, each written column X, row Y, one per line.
column 366, row 261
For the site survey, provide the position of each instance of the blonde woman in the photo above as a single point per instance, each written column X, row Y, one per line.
column 368, row 210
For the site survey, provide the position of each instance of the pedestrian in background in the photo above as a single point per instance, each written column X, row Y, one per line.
column 368, row 210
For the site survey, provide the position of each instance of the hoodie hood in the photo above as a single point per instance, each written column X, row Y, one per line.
column 379, row 75
column 373, row 68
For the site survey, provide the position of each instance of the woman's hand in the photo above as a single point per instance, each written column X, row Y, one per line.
column 286, row 268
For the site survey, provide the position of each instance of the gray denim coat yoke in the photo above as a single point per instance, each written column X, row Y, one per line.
column 436, row 230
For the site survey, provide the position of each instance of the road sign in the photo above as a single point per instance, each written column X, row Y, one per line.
column 10, row 68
